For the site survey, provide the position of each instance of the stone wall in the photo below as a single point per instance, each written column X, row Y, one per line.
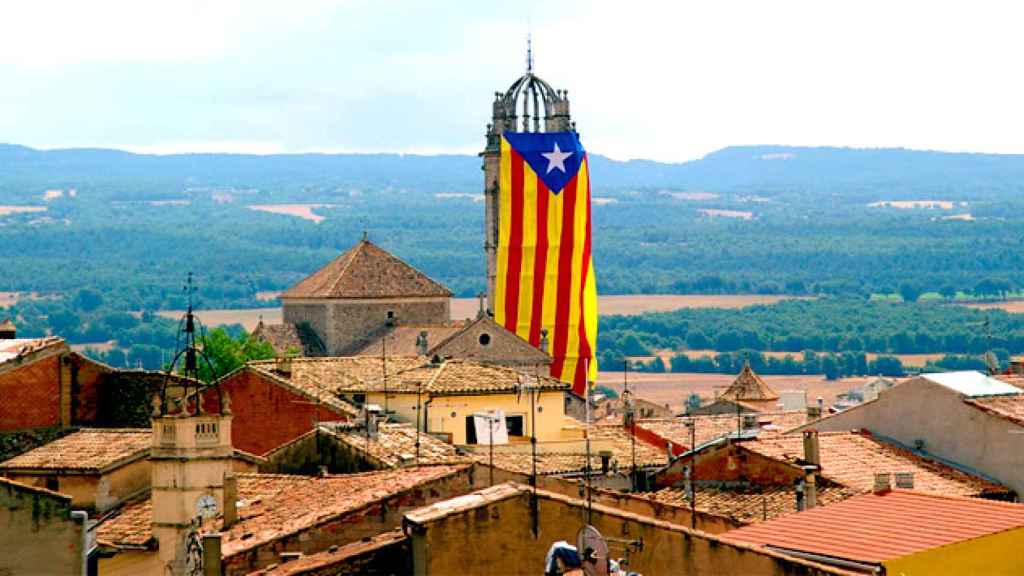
column 37, row 532
column 345, row 326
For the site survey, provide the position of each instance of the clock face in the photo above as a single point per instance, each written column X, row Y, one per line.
column 206, row 506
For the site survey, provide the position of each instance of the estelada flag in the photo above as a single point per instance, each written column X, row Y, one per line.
column 545, row 275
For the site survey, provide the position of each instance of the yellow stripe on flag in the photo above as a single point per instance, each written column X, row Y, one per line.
column 556, row 204
column 572, row 351
column 504, row 230
column 529, row 252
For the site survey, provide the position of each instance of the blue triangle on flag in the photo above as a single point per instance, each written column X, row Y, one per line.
column 554, row 156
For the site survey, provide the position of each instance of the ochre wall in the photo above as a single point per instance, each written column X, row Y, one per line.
column 30, row 395
column 37, row 534
column 550, row 414
column 353, row 526
column 266, row 414
column 1000, row 554
column 498, row 539
column 131, row 563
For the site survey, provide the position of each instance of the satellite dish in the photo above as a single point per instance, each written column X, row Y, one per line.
column 593, row 550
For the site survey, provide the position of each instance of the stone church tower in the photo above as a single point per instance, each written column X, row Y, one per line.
column 359, row 296
column 529, row 105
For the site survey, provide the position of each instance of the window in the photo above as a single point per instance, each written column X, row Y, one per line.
column 485, row 339
column 52, row 483
column 359, row 399
column 470, row 430
column 206, row 433
column 514, row 425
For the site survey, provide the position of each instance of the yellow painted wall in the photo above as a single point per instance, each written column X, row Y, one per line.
column 995, row 555
column 95, row 492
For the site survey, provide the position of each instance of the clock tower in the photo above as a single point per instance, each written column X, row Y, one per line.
column 190, row 455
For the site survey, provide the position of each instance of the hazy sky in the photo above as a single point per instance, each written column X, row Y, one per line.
column 669, row 81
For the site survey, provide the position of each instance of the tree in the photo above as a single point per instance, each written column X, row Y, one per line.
column 228, row 354
column 910, row 292
column 88, row 299
column 693, row 402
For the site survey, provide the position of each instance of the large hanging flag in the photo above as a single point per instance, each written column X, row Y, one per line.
column 545, row 275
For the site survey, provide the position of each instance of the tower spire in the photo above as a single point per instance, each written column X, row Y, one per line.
column 529, row 52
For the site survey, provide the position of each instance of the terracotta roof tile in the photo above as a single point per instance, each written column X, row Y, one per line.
column 710, row 427
column 288, row 337
column 840, row 530
column 314, row 563
column 8, row 484
column 395, row 445
column 314, row 386
column 359, row 374
column 90, row 449
column 1009, row 408
column 309, row 501
column 853, row 458
column 572, row 459
column 20, row 347
column 366, row 271
column 748, row 505
column 749, row 386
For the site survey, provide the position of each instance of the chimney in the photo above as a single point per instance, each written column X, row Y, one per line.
column 810, row 487
column 230, row 500
column 813, row 412
column 882, row 482
column 211, row 555
column 812, row 448
column 905, row 480
column 799, row 488
column 421, row 343
column 544, row 340
column 284, row 366
column 8, row 331
column 606, row 458
column 482, row 311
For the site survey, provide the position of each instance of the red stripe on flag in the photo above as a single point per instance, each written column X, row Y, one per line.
column 579, row 382
column 515, row 244
column 562, row 300
column 540, row 262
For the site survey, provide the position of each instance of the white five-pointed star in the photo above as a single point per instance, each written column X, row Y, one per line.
column 556, row 158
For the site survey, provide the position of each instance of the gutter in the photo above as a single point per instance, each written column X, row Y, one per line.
column 861, row 566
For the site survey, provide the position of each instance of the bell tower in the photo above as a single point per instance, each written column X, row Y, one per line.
column 190, row 456
column 529, row 105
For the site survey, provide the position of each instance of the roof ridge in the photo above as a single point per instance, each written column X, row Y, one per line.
column 351, row 253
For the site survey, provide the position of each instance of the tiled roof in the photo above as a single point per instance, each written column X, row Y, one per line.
column 503, row 346
column 748, row 505
column 573, row 460
column 20, row 347
column 1009, row 408
column 8, row 484
column 853, row 458
column 710, row 427
column 366, row 271
column 271, row 506
column 395, row 444
column 310, row 501
column 404, row 374
column 336, row 555
column 874, row 527
column 288, row 337
column 749, row 386
column 90, row 449
column 401, row 340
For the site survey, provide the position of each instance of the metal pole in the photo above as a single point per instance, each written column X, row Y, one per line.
column 419, row 415
column 384, row 370
column 490, row 470
column 534, row 509
column 586, row 384
column 693, row 473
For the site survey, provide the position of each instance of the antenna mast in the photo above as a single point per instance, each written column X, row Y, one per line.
column 529, row 52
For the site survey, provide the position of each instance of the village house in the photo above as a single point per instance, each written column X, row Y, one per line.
column 99, row 468
column 748, row 393
column 909, row 532
column 447, row 392
column 981, row 427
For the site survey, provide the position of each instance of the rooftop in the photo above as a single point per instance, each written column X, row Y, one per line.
column 840, row 530
column 972, row 384
column 366, row 271
column 572, row 459
column 853, row 458
column 15, row 348
column 1009, row 408
column 394, row 446
column 87, row 450
column 360, row 374
column 401, row 340
column 712, row 426
column 288, row 337
column 748, row 505
column 749, row 386
column 271, row 506
column 313, row 563
column 308, row 384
